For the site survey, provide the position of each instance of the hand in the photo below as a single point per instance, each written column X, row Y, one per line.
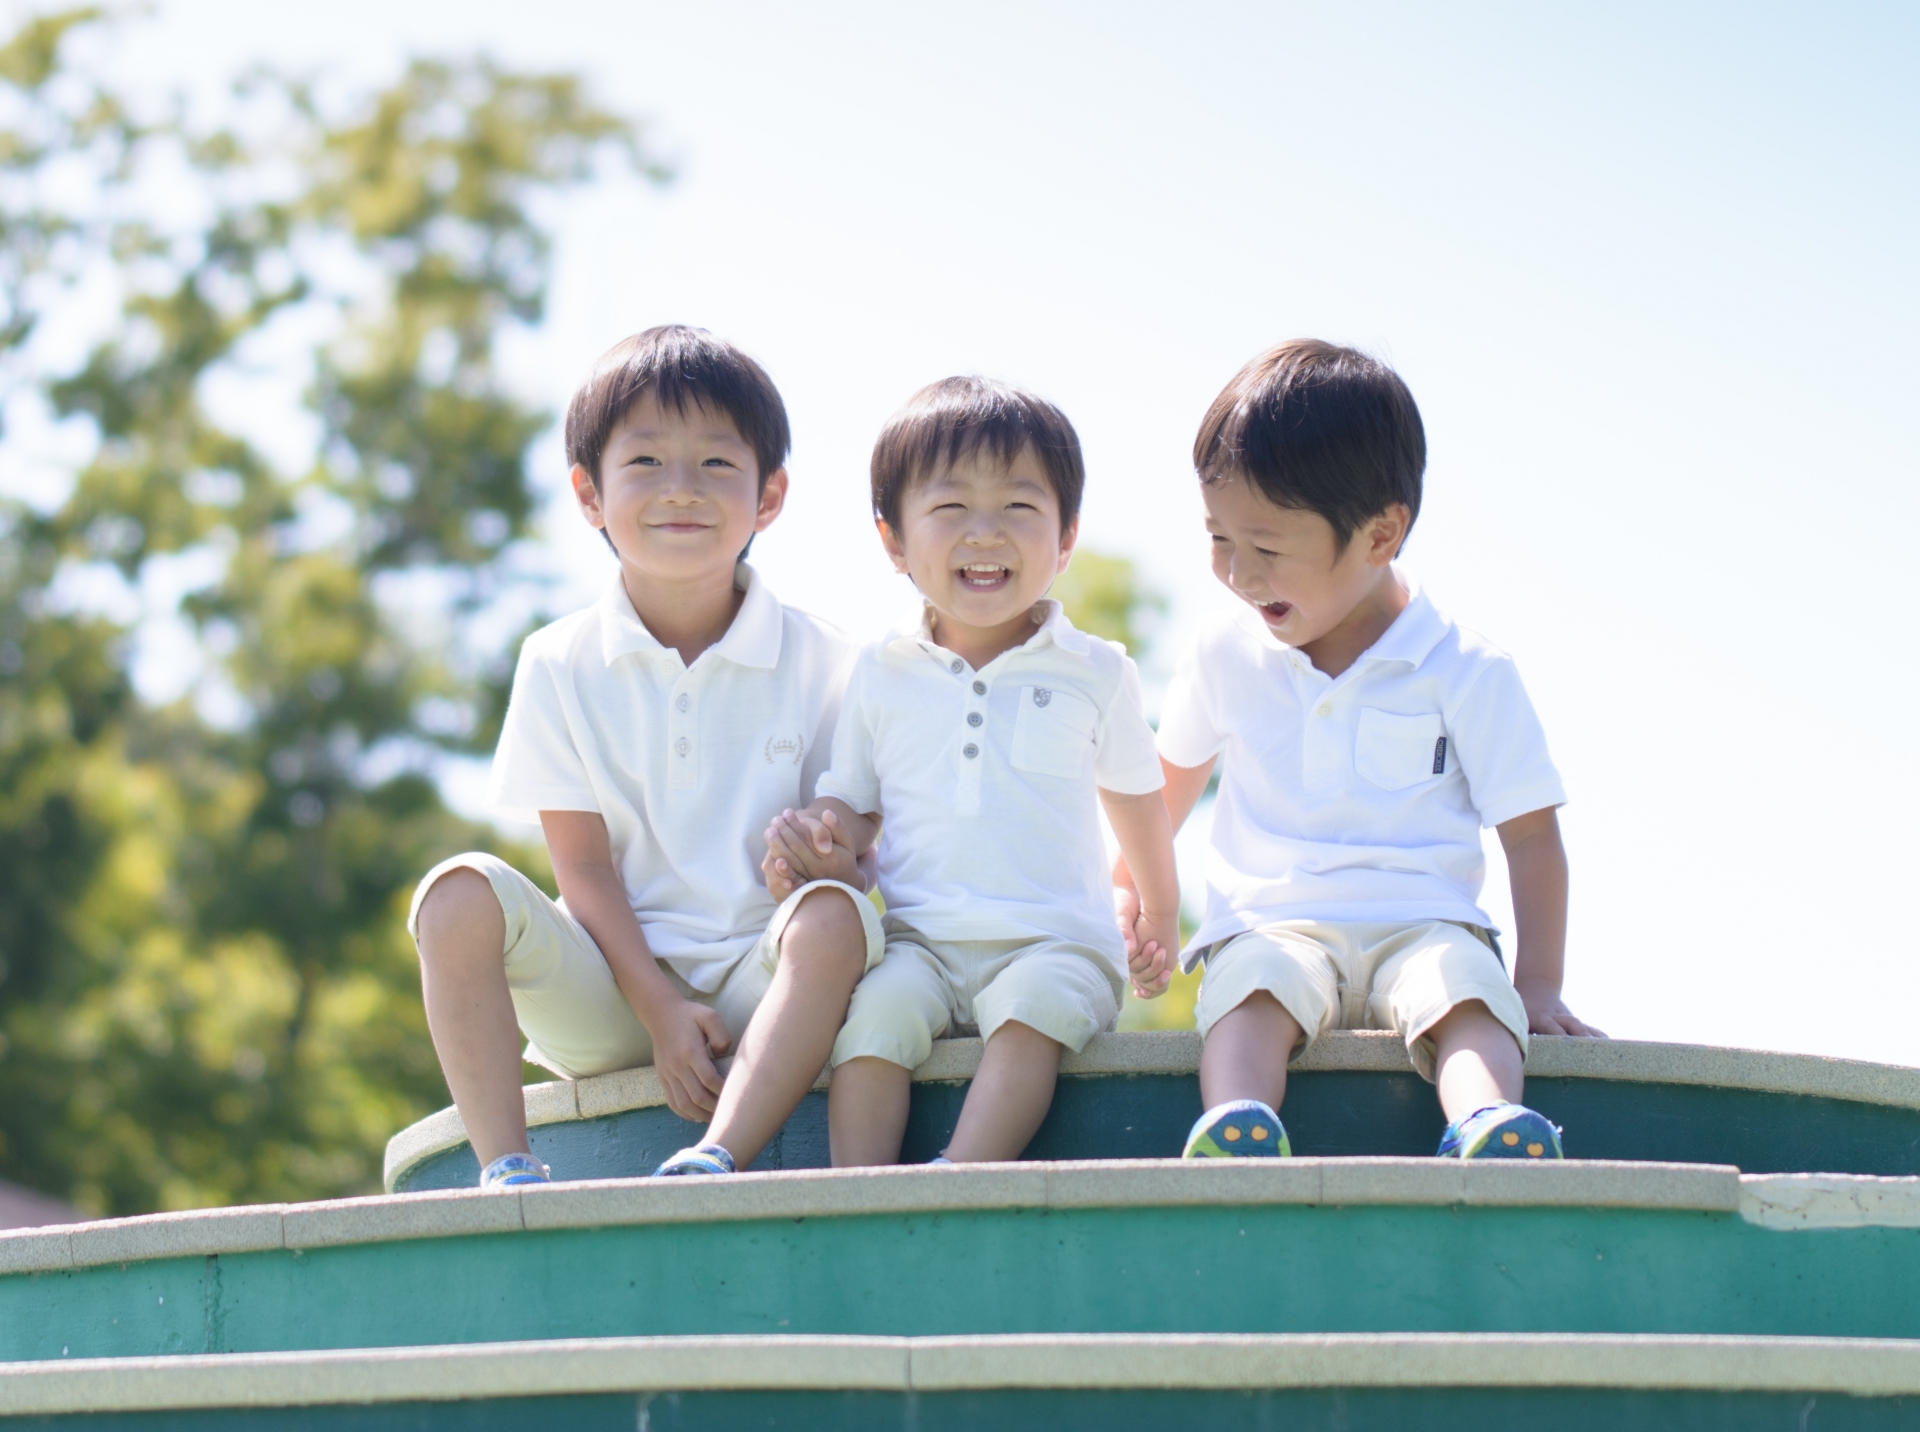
column 1126, row 912
column 1151, row 954
column 802, row 847
column 687, row 1038
column 1547, row 1013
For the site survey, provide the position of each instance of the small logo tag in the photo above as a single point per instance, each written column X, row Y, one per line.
column 782, row 746
column 1041, row 696
column 1440, row 756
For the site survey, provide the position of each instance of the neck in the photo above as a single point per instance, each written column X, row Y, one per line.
column 1334, row 652
column 689, row 615
column 979, row 645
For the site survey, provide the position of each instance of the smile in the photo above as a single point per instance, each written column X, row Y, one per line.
column 985, row 576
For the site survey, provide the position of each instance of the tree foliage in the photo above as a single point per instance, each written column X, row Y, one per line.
column 207, row 994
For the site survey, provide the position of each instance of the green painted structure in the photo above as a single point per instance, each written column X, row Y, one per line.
column 1739, row 1247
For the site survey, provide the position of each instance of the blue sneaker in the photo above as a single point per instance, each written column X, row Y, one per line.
column 700, row 1159
column 1245, row 1128
column 511, row 1169
column 1501, row 1131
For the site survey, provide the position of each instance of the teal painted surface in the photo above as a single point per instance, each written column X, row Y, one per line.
column 1266, row 1268
column 1314, row 1410
column 1327, row 1114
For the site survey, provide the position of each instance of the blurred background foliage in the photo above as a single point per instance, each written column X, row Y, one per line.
column 207, row 991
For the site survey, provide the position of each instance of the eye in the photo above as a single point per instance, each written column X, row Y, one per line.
column 643, row 460
column 1265, row 553
column 716, row 462
column 1021, row 507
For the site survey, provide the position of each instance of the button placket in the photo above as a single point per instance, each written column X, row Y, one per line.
column 683, row 754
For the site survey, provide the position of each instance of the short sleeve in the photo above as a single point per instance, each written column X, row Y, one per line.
column 1188, row 735
column 537, row 766
column 850, row 775
column 1501, row 747
column 1125, row 761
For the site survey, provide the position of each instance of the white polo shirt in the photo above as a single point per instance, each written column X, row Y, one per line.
column 988, row 781
column 686, row 764
column 1359, row 798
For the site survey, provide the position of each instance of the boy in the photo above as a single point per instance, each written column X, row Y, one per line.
column 1367, row 739
column 649, row 736
column 981, row 733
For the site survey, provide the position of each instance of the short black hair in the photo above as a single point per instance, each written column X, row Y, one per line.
column 951, row 420
column 1318, row 428
column 678, row 367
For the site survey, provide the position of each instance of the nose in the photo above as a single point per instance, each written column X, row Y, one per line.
column 678, row 484
column 984, row 530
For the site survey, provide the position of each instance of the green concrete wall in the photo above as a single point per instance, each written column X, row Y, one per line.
column 1267, row 1268
column 1314, row 1410
column 1332, row 1114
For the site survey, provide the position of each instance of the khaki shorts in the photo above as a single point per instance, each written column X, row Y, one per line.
column 1362, row 976
column 576, row 1020
column 925, row 988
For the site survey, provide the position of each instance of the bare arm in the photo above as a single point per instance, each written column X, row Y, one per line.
column 1537, row 868
column 1145, row 834
column 686, row 1036
column 1182, row 791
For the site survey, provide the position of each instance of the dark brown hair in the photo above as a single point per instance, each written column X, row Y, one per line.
column 679, row 367
column 1318, row 428
column 950, row 421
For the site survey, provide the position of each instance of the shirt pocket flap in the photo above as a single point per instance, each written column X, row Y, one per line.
column 1395, row 751
column 1055, row 732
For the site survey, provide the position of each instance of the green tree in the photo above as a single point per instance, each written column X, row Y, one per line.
column 1103, row 594
column 207, row 994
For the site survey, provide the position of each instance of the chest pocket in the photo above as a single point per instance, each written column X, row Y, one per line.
column 1395, row 751
column 1054, row 733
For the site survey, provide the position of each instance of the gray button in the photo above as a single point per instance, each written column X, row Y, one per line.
column 974, row 718
column 969, row 750
column 683, row 745
column 957, row 664
column 979, row 688
column 684, row 702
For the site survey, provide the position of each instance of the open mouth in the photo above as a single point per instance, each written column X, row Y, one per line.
column 985, row 576
column 1276, row 612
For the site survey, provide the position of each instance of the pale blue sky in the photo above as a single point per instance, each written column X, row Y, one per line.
column 1650, row 274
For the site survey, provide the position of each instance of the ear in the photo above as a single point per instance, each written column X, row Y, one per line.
column 1386, row 534
column 1067, row 539
column 895, row 549
column 587, row 496
column 773, row 498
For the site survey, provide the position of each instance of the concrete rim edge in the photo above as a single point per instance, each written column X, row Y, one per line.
column 1857, row 1366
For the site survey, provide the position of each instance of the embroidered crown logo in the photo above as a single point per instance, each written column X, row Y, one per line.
column 779, row 747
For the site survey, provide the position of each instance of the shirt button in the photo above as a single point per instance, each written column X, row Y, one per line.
column 979, row 688
column 974, row 718
column 957, row 664
column 1326, row 710
column 683, row 745
column 969, row 750
column 684, row 702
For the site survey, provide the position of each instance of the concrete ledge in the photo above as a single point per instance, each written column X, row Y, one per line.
column 1178, row 1052
column 1859, row 1366
column 1827, row 1200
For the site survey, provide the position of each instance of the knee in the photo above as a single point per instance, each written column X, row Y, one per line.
column 826, row 934
column 458, row 913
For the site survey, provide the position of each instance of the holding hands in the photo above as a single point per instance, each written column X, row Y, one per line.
column 814, row 844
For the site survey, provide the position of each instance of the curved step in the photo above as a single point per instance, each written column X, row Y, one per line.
column 1359, row 1245
column 903, row 1382
column 1354, row 1093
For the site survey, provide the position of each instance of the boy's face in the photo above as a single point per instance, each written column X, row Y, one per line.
column 680, row 494
column 1285, row 563
column 981, row 539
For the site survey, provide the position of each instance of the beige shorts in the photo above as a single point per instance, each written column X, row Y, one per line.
column 925, row 988
column 1362, row 976
column 576, row 1020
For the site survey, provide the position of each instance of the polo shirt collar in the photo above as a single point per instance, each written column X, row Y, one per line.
column 752, row 640
column 1414, row 633
column 1049, row 617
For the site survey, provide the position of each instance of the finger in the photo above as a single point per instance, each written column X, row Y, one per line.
column 708, row 1074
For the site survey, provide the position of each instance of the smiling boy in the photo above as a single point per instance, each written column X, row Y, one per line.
column 1364, row 742
column 652, row 736
column 986, row 734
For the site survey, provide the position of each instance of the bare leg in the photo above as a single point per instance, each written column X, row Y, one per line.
column 867, row 1111
column 463, row 977
column 823, row 953
column 1477, row 1061
column 1011, row 1094
column 1246, row 1053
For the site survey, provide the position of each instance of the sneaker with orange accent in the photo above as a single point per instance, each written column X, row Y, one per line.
column 1501, row 1131
column 1245, row 1128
